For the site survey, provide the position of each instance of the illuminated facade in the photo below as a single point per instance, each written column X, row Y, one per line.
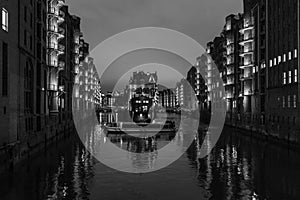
column 261, row 67
column 56, row 49
column 182, row 94
column 167, row 98
column 145, row 84
column 37, row 74
column 232, row 72
column 216, row 59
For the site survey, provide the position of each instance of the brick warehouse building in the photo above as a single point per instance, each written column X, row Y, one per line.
column 283, row 89
column 38, row 68
column 24, row 77
column 262, row 87
column 231, row 72
column 9, row 72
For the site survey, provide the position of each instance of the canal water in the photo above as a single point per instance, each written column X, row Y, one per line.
column 239, row 167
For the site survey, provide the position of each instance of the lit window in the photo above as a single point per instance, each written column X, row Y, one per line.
column 284, row 78
column 279, row 59
column 275, row 61
column 296, row 76
column 289, row 101
column 290, row 76
column 290, row 55
column 4, row 19
column 295, row 101
column 234, row 104
column 284, row 57
column 271, row 63
column 296, row 53
column 283, row 102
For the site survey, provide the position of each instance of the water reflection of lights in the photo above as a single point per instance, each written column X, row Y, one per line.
column 64, row 175
column 137, row 145
column 234, row 153
column 254, row 196
column 246, row 169
column 239, row 170
column 121, row 142
column 222, row 155
column 64, row 192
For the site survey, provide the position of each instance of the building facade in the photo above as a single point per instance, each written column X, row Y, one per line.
column 38, row 58
column 167, row 99
column 260, row 49
column 145, row 84
column 282, row 57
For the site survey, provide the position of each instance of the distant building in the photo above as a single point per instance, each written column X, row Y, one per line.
column 98, row 93
column 201, row 78
column 145, row 84
column 181, row 90
column 216, row 65
column 167, row 98
column 191, row 91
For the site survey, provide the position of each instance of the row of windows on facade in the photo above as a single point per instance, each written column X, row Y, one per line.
column 290, row 77
column 277, row 61
column 289, row 102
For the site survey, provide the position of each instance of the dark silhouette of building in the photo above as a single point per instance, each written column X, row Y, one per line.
column 282, row 53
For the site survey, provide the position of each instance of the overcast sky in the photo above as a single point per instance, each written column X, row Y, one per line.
column 202, row 20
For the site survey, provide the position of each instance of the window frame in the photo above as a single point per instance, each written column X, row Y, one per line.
column 290, row 76
column 4, row 19
column 284, row 78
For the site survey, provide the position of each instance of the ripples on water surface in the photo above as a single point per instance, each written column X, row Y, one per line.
column 238, row 168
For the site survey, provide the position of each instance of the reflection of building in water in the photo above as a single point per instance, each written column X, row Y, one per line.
column 141, row 145
column 146, row 149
